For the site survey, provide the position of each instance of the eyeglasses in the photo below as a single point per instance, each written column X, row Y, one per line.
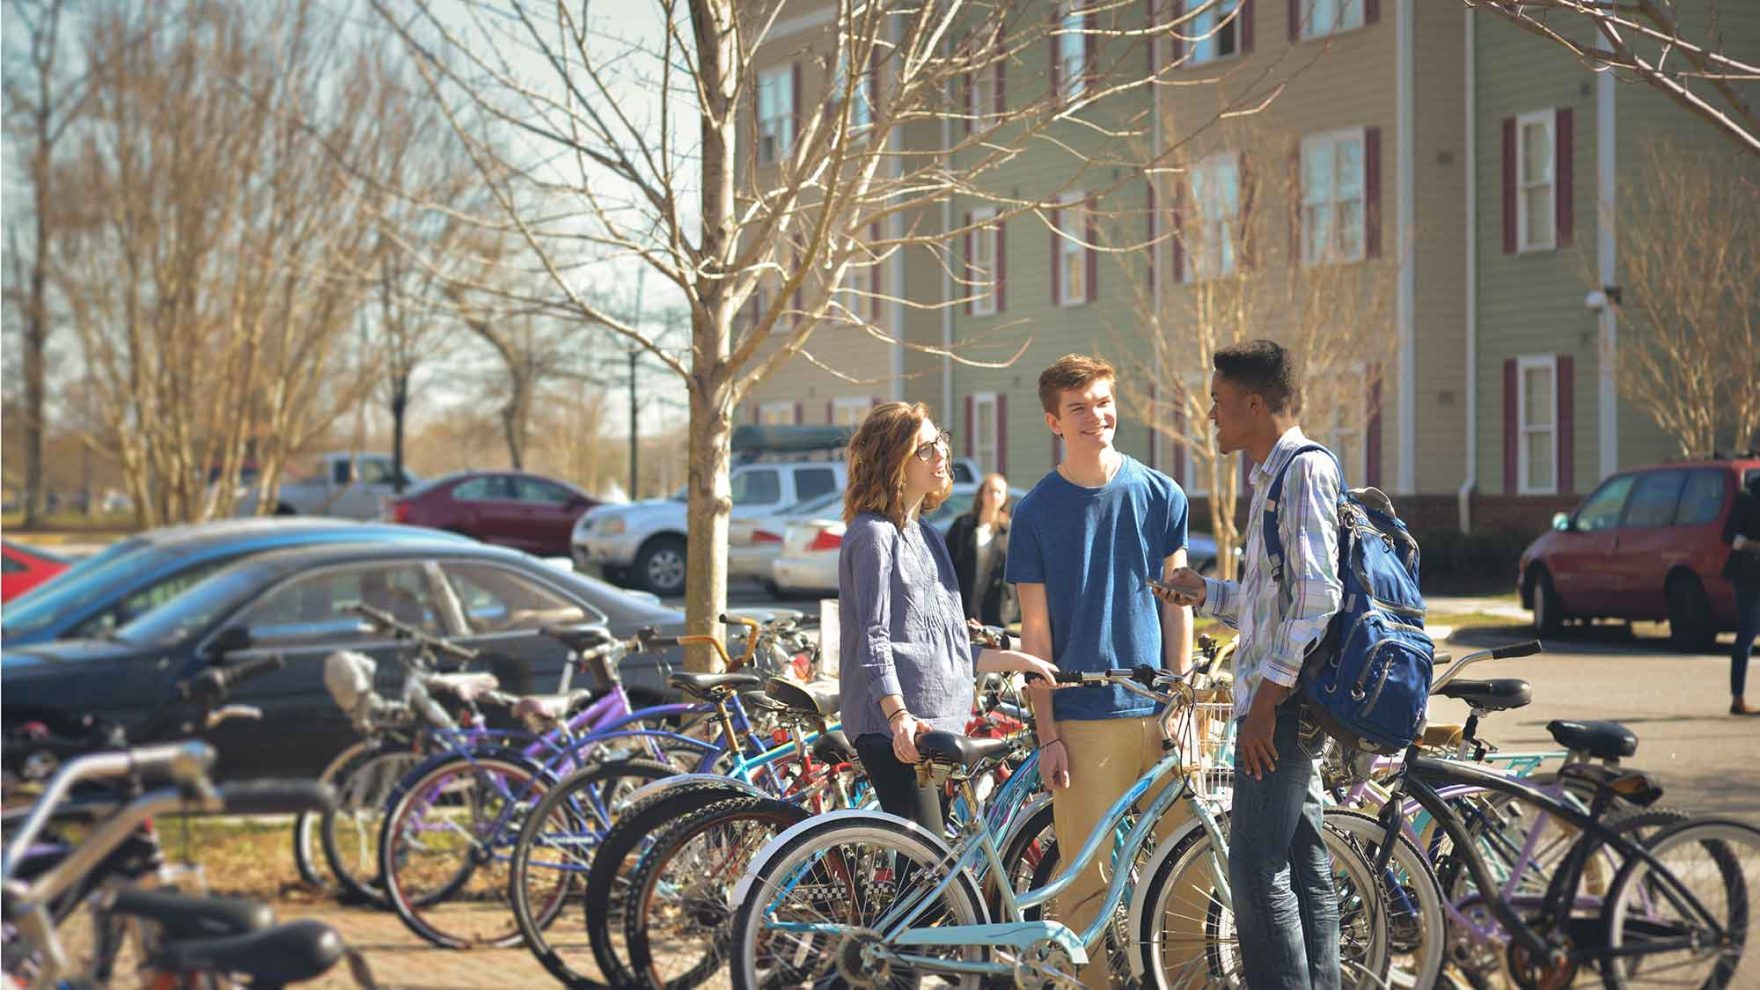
column 927, row 450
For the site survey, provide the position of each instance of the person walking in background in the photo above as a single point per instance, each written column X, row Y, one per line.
column 907, row 659
column 978, row 541
column 1742, row 532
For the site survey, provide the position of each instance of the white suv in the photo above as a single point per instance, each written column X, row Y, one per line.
column 643, row 544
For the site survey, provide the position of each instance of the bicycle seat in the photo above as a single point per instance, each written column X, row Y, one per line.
column 290, row 953
column 1604, row 740
column 186, row 917
column 575, row 638
column 1498, row 695
column 951, row 747
column 820, row 700
column 706, row 686
column 551, row 707
column 833, row 747
column 466, row 687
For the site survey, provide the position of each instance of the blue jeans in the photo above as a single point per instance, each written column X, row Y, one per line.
column 1284, row 906
column 1747, row 628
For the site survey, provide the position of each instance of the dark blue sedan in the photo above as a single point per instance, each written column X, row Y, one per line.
column 295, row 602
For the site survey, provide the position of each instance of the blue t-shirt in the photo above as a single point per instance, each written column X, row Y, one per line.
column 1094, row 550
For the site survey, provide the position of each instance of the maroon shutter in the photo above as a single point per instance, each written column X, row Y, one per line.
column 799, row 414
column 830, row 411
column 1295, row 20
column 795, row 96
column 1372, row 433
column 1509, row 185
column 1002, row 434
column 1244, row 27
column 1176, row 40
column 875, row 271
column 1371, row 11
column 1056, row 72
column 1149, row 238
column 1090, row 51
column 1295, row 206
column 968, row 289
column 1177, row 239
column 1056, row 269
column 1512, row 429
column 971, row 102
column 1149, row 420
column 1091, row 254
column 1001, row 266
column 1001, row 78
column 1566, row 397
column 1372, row 191
column 1563, row 214
column 971, row 424
column 1245, row 241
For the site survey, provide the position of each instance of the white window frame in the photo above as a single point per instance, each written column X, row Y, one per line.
column 1547, row 119
column 984, row 267
column 1215, row 252
column 1334, row 198
column 776, row 413
column 1549, row 363
column 985, row 444
column 1072, row 53
column 775, row 112
column 1069, row 246
column 844, row 405
column 1345, row 15
column 1207, row 36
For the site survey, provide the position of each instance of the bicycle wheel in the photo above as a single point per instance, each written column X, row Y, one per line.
column 1026, row 851
column 842, row 876
column 1688, row 920
column 445, row 843
column 307, row 853
column 348, row 832
column 1417, row 927
column 1188, row 937
column 550, row 868
column 676, row 919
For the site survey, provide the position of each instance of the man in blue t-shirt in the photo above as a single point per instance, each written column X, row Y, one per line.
column 1083, row 545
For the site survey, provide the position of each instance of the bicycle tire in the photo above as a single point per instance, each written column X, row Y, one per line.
column 363, row 796
column 307, row 852
column 710, row 910
column 1416, row 918
column 557, row 954
column 1733, row 850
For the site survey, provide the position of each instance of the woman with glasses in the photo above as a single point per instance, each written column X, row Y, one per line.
column 906, row 658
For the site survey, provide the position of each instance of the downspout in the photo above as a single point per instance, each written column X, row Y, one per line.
column 1464, row 498
column 1408, row 345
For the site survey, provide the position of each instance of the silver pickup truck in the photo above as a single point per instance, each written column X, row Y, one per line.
column 345, row 485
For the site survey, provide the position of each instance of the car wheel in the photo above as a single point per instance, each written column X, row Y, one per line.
column 1548, row 613
column 660, row 565
column 1690, row 628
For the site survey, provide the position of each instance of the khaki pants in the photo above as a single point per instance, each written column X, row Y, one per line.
column 1105, row 757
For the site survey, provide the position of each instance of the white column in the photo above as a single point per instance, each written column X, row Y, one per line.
column 1607, row 360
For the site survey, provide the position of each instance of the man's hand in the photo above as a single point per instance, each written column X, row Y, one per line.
column 905, row 730
column 1256, row 745
column 1187, row 588
column 1054, row 765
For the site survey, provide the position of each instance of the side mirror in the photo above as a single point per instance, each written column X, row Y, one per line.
column 232, row 639
column 1561, row 522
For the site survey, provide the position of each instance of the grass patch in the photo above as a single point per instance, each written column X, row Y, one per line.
column 242, row 857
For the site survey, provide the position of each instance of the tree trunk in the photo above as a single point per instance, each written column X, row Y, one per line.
column 516, row 415
column 710, row 504
column 36, row 335
column 399, row 404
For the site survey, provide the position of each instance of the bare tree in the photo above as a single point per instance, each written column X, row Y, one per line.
column 1690, row 300
column 1672, row 47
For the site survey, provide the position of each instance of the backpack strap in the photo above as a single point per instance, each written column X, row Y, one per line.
column 1272, row 539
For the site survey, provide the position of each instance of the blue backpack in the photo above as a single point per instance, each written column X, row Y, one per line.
column 1367, row 681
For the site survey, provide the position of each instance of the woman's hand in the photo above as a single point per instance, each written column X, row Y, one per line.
column 904, row 738
column 1026, row 663
column 994, row 661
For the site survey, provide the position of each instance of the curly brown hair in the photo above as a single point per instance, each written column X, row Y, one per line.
column 877, row 456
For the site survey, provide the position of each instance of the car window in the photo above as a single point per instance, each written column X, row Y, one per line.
column 376, row 472
column 73, row 592
column 1602, row 509
column 144, row 600
column 757, row 486
column 496, row 599
column 11, row 566
column 481, row 489
column 194, row 610
column 534, row 490
column 813, row 482
column 1654, row 497
column 1701, row 498
column 314, row 608
column 962, row 473
column 339, row 471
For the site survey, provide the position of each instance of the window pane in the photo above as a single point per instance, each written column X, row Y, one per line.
column 314, row 609
column 1317, row 232
column 147, row 599
column 1602, row 509
column 495, row 599
column 757, row 487
column 1701, row 498
column 1317, row 173
column 1654, row 498
column 1349, row 174
column 339, row 472
column 1537, row 392
column 1536, row 153
column 1350, row 229
column 479, row 489
column 813, row 482
column 375, row 472
column 1537, row 205
column 1539, row 451
column 11, row 566
column 533, row 490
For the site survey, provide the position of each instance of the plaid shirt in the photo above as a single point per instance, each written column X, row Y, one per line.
column 1280, row 622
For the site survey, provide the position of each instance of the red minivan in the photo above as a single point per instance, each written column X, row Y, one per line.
column 1647, row 545
column 525, row 511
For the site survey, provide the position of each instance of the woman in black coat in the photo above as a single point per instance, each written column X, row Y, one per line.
column 978, row 541
column 1742, row 533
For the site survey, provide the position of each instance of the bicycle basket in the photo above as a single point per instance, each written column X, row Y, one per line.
column 1204, row 731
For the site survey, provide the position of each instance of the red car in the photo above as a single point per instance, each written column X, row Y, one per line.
column 1646, row 545
column 525, row 511
column 26, row 567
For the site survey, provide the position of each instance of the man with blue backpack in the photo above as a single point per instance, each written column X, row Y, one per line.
column 1279, row 870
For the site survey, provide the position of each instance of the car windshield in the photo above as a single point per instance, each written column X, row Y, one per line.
column 194, row 610
column 83, row 583
column 818, row 503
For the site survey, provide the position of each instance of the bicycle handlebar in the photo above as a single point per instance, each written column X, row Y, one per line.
column 1514, row 650
column 1508, row 651
column 403, row 630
